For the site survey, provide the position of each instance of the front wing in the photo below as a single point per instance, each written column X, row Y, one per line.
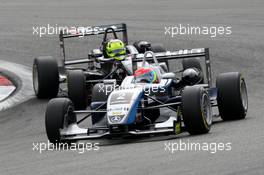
column 74, row 132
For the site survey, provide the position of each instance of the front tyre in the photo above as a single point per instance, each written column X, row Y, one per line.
column 45, row 77
column 59, row 114
column 232, row 96
column 196, row 110
column 77, row 90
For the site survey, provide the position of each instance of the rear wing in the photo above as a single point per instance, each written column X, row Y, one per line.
column 180, row 54
column 91, row 30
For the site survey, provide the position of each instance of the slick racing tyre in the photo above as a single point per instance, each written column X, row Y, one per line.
column 59, row 114
column 45, row 77
column 77, row 90
column 232, row 96
column 157, row 48
column 196, row 110
column 191, row 62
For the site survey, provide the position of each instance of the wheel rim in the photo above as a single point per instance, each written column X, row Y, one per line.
column 206, row 109
column 35, row 79
column 244, row 97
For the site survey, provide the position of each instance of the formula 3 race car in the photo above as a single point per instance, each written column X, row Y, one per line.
column 82, row 73
column 170, row 106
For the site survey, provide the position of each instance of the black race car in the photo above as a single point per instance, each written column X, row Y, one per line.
column 82, row 73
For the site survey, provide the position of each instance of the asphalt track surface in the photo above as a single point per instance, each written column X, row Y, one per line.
column 242, row 51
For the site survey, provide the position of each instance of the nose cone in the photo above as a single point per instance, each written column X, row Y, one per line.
column 122, row 106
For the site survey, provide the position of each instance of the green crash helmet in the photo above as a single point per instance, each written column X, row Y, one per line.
column 115, row 48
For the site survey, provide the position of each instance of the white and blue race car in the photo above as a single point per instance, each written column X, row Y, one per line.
column 177, row 103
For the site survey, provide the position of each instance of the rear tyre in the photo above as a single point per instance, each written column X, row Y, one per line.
column 191, row 62
column 59, row 114
column 232, row 96
column 77, row 90
column 45, row 77
column 101, row 92
column 157, row 48
column 196, row 110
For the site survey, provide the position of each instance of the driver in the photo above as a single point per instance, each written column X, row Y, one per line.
column 147, row 75
column 116, row 49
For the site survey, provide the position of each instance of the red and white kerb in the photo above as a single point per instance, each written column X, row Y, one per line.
column 6, row 87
